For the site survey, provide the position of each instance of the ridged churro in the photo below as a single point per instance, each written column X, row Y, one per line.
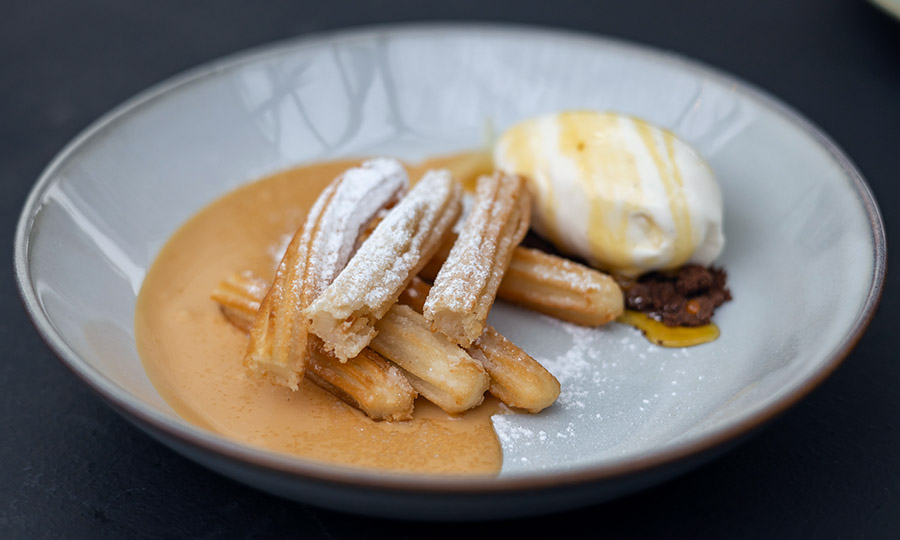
column 551, row 285
column 239, row 297
column 317, row 252
column 367, row 382
column 466, row 286
column 561, row 288
column 517, row 379
column 346, row 313
column 438, row 369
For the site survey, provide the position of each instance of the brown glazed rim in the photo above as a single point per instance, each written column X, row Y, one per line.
column 425, row 484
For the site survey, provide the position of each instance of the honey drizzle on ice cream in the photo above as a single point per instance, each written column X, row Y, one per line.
column 670, row 176
column 608, row 222
column 626, row 196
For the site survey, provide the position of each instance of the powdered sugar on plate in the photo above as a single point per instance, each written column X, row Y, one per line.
column 618, row 393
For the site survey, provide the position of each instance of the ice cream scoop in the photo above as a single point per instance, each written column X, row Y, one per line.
column 623, row 194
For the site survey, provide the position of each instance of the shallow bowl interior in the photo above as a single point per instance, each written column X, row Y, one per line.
column 805, row 247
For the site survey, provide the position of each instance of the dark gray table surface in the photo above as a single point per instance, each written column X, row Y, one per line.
column 70, row 467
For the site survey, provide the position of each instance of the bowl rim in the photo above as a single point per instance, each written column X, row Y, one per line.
column 889, row 7
column 133, row 408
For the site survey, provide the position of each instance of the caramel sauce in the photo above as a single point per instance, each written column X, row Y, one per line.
column 194, row 356
column 669, row 336
column 465, row 167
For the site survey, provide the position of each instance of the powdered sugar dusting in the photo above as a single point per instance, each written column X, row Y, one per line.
column 384, row 262
column 460, row 282
column 509, row 433
column 361, row 193
column 314, row 256
column 467, row 283
column 620, row 394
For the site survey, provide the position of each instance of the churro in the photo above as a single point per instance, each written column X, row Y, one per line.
column 561, row 288
column 346, row 313
column 517, row 379
column 551, row 285
column 317, row 252
column 367, row 382
column 436, row 368
column 466, row 286
column 239, row 297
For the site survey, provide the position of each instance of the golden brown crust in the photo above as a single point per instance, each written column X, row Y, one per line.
column 561, row 288
column 438, row 369
column 366, row 381
column 239, row 297
column 517, row 379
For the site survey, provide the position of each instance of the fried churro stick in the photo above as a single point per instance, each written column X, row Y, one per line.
column 517, row 379
column 439, row 370
column 466, row 286
column 239, row 297
column 317, row 252
column 368, row 382
column 345, row 314
column 561, row 288
column 551, row 285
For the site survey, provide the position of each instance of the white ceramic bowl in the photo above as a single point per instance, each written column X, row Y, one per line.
column 805, row 249
column 891, row 7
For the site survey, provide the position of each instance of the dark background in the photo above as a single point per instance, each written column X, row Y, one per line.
column 70, row 467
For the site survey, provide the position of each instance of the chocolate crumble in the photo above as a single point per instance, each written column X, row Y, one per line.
column 684, row 297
